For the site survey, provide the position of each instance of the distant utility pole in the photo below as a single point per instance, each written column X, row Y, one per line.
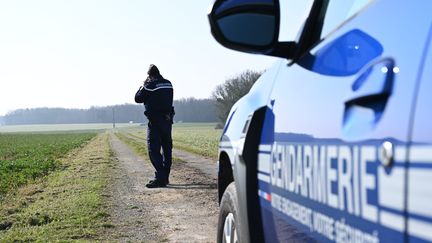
column 113, row 118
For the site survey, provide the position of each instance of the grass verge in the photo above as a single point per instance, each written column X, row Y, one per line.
column 66, row 205
column 139, row 147
column 200, row 139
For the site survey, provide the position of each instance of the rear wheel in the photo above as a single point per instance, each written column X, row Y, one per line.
column 228, row 225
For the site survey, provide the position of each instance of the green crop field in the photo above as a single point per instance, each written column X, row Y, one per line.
column 202, row 139
column 198, row 138
column 68, row 204
column 25, row 157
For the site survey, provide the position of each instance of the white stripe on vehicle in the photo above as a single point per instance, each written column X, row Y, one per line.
column 265, row 147
column 419, row 191
column 420, row 229
column 392, row 220
column 420, row 154
column 264, row 163
column 400, row 154
column 263, row 177
column 391, row 188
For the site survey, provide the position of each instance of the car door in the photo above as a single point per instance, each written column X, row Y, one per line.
column 419, row 197
column 332, row 159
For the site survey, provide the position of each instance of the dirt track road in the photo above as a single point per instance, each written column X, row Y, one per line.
column 185, row 211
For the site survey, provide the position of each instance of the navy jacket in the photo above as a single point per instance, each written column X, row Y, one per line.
column 157, row 96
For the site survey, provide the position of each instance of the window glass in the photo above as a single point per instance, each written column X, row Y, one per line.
column 248, row 28
column 338, row 11
column 293, row 15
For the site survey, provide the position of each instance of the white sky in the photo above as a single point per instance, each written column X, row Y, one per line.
column 82, row 53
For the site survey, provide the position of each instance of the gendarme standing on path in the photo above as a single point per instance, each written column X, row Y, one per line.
column 157, row 96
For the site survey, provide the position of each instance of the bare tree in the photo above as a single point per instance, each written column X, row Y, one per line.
column 233, row 89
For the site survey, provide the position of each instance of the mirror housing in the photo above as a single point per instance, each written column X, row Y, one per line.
column 250, row 26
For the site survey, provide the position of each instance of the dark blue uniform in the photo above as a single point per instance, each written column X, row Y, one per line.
column 157, row 96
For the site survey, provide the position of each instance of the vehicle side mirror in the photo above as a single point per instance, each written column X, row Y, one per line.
column 250, row 26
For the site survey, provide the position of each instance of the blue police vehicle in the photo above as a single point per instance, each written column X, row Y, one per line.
column 334, row 142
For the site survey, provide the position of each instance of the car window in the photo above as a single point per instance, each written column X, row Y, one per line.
column 338, row 11
column 293, row 15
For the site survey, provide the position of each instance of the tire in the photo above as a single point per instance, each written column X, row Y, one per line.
column 229, row 223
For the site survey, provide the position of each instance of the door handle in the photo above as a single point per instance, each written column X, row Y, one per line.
column 369, row 96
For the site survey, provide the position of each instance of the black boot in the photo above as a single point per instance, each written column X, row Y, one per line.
column 156, row 183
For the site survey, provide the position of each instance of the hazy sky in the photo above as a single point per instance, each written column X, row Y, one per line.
column 82, row 53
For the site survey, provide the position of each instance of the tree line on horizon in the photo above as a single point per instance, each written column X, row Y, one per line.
column 187, row 110
column 214, row 109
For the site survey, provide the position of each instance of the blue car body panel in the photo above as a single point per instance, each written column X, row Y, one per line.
column 419, row 192
column 323, row 168
column 233, row 137
column 320, row 172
